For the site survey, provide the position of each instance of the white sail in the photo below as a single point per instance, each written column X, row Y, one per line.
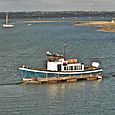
column 7, row 25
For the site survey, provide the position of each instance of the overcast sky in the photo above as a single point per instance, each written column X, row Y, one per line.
column 57, row 5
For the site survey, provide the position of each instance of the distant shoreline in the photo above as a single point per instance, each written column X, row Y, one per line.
column 58, row 14
column 94, row 23
column 40, row 21
column 105, row 26
column 108, row 29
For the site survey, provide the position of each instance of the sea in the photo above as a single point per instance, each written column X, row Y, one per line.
column 26, row 44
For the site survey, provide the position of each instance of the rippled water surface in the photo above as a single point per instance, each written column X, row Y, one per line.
column 27, row 45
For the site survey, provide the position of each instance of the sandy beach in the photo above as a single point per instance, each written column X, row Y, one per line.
column 108, row 29
column 45, row 21
column 94, row 23
column 106, row 25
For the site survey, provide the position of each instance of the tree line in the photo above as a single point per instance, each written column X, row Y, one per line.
column 56, row 14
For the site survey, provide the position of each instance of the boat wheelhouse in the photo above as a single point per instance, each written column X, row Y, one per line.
column 58, row 67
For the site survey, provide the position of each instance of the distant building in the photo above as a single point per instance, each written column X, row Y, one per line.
column 113, row 20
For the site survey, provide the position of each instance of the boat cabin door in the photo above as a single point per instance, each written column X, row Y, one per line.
column 59, row 67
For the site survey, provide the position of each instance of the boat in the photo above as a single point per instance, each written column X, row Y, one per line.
column 7, row 24
column 60, row 68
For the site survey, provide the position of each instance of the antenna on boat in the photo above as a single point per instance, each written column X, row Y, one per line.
column 64, row 51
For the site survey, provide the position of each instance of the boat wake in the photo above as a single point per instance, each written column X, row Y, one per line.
column 15, row 83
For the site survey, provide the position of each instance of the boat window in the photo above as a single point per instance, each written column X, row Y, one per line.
column 75, row 67
column 59, row 67
column 65, row 68
column 70, row 67
column 79, row 67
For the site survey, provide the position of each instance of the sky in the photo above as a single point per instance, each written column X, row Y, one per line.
column 56, row 5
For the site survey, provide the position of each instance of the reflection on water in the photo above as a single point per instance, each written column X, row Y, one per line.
column 72, row 95
column 59, row 89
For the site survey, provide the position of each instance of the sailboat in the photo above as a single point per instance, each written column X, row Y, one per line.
column 7, row 24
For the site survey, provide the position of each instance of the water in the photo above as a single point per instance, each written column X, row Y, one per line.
column 27, row 45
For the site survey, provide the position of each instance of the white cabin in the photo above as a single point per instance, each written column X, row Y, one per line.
column 64, row 66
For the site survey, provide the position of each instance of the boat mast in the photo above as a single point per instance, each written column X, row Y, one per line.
column 6, row 18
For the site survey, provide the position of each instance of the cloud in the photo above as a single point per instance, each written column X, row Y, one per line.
column 32, row 5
